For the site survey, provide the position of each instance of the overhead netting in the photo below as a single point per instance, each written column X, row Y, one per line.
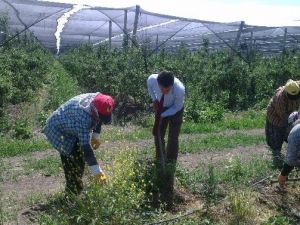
column 137, row 27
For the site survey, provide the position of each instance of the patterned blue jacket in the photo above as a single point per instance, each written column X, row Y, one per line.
column 71, row 123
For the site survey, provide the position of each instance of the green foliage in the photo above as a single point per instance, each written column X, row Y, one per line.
column 22, row 129
column 2, row 214
column 24, row 67
column 114, row 72
column 241, row 208
column 122, row 201
column 244, row 120
column 13, row 147
column 2, row 211
column 270, row 73
column 213, row 142
column 23, row 70
column 238, row 172
column 215, row 82
column 277, row 220
column 61, row 88
column 235, row 170
column 227, row 174
column 42, row 118
column 5, row 124
column 49, row 166
column 211, row 184
column 232, row 121
column 203, row 112
column 133, row 134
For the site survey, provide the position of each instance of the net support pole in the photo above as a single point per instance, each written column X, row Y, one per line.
column 237, row 39
column 250, row 51
column 284, row 39
column 125, row 39
column 135, row 24
column 125, row 20
column 109, row 34
column 25, row 34
column 156, row 42
column 251, row 41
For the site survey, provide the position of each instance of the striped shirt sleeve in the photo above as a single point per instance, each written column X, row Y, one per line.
column 280, row 105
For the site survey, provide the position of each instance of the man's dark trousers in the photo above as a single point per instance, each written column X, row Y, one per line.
column 167, row 181
column 73, row 165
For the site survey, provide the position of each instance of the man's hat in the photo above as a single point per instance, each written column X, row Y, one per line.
column 104, row 104
column 292, row 87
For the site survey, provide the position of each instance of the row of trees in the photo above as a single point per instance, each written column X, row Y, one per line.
column 23, row 69
column 214, row 81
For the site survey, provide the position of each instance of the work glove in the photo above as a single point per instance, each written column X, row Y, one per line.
column 101, row 178
column 95, row 141
column 281, row 181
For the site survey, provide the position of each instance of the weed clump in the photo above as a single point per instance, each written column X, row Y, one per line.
column 124, row 200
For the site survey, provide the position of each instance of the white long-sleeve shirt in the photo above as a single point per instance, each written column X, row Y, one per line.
column 174, row 100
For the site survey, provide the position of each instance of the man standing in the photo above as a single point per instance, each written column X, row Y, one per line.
column 74, row 130
column 167, row 93
column 285, row 101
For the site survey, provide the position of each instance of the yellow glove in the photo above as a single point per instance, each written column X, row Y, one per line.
column 95, row 143
column 101, row 178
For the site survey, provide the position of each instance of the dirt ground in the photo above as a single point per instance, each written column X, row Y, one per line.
column 19, row 189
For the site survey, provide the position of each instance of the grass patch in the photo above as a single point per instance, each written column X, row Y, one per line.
column 234, row 121
column 4, row 166
column 219, row 142
column 2, row 213
column 9, row 208
column 278, row 220
column 49, row 166
column 36, row 198
column 13, row 147
column 226, row 175
column 121, row 134
column 241, row 206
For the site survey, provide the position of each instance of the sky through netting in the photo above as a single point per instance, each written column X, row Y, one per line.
column 96, row 25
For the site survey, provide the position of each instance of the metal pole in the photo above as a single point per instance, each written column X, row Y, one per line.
column 284, row 39
column 125, row 39
column 237, row 39
column 135, row 25
column 251, row 41
column 226, row 43
column 110, row 34
column 125, row 20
